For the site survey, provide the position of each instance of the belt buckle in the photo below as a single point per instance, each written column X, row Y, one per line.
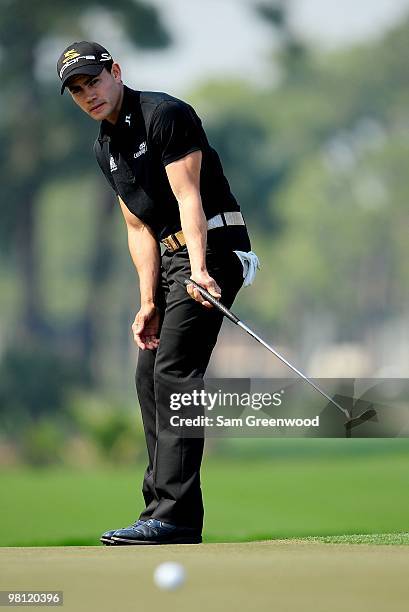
column 170, row 243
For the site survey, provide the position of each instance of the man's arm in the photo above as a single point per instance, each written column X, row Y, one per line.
column 184, row 179
column 144, row 250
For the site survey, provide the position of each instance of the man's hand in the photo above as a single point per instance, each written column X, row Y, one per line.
column 145, row 328
column 207, row 282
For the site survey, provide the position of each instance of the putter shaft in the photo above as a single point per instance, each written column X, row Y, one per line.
column 293, row 368
column 247, row 329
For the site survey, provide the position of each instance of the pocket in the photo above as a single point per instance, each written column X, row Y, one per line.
column 225, row 267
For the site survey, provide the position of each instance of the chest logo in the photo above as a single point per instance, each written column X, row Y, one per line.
column 112, row 164
column 142, row 150
column 128, row 119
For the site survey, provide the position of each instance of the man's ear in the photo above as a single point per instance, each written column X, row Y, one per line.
column 116, row 72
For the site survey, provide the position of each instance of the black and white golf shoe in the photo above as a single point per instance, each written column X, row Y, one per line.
column 106, row 537
column 156, row 532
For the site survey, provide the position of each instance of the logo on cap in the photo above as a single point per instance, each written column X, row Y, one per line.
column 69, row 55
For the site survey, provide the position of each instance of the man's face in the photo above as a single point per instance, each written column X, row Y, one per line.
column 99, row 96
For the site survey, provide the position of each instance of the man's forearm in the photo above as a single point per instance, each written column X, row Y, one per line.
column 194, row 226
column 184, row 179
column 144, row 251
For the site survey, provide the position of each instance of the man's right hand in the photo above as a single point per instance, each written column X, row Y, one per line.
column 145, row 327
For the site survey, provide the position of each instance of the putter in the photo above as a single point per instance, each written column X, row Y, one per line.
column 351, row 422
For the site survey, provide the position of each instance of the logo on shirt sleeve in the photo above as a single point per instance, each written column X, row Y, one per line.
column 112, row 164
column 142, row 149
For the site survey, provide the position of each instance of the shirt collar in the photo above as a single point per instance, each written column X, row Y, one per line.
column 126, row 117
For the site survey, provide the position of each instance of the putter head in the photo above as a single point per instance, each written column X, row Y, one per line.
column 367, row 415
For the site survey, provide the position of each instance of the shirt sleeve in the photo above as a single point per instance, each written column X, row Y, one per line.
column 176, row 131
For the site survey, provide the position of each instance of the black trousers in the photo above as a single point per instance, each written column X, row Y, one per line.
column 188, row 334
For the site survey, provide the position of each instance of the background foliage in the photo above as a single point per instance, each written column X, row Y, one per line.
column 317, row 159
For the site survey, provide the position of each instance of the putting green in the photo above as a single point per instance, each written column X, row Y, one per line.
column 272, row 575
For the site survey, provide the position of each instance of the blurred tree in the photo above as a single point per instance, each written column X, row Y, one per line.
column 319, row 156
column 33, row 385
column 292, row 54
column 255, row 158
column 335, row 138
column 42, row 138
column 242, row 142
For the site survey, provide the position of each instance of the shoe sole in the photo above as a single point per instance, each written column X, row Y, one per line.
column 158, row 542
column 107, row 541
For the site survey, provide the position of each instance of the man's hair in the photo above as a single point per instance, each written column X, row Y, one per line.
column 108, row 65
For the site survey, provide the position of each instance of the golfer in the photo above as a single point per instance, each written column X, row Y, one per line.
column 174, row 198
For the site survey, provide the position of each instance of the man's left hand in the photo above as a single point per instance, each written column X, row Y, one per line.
column 207, row 282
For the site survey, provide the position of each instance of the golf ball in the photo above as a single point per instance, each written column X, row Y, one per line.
column 169, row 576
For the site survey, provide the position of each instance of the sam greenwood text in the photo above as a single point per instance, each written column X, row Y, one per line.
column 248, row 421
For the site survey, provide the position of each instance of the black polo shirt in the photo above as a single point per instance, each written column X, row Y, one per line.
column 153, row 130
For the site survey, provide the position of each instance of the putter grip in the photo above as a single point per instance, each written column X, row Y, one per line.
column 213, row 301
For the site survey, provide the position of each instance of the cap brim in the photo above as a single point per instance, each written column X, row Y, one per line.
column 90, row 70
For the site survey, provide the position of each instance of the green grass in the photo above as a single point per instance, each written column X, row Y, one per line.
column 394, row 539
column 245, row 499
column 288, row 576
